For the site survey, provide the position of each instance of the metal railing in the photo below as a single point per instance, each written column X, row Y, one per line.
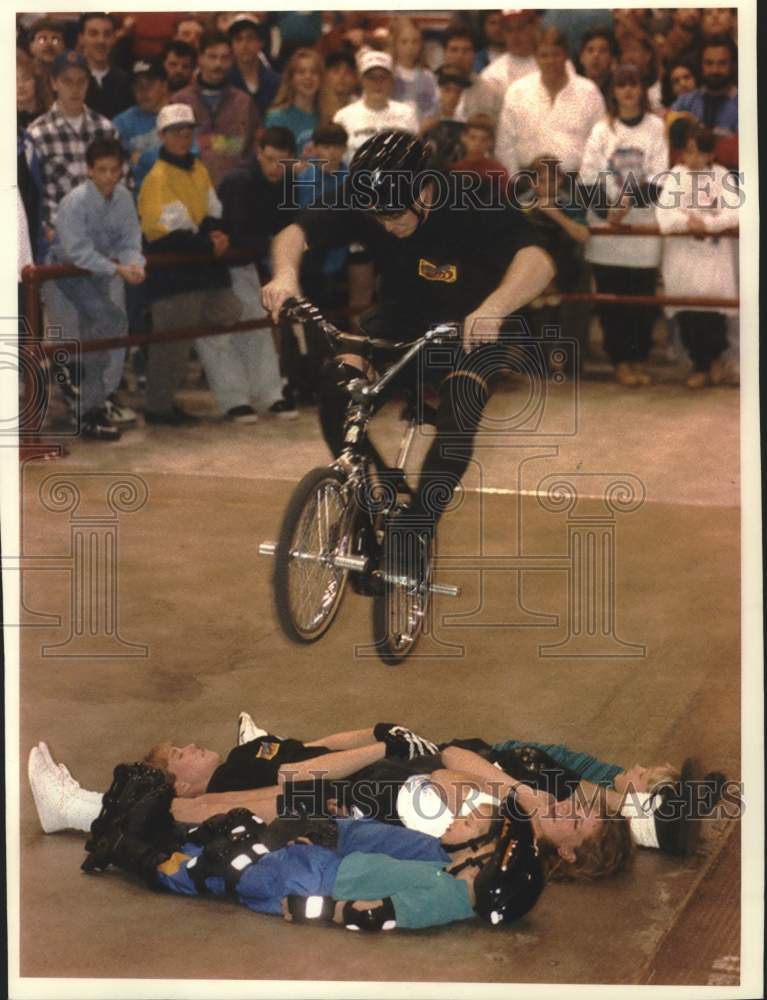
column 35, row 275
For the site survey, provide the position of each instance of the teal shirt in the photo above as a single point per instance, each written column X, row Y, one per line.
column 584, row 765
column 422, row 892
column 301, row 123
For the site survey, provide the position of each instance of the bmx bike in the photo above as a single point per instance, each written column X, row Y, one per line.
column 337, row 525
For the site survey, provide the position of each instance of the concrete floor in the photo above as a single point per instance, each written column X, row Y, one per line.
column 192, row 594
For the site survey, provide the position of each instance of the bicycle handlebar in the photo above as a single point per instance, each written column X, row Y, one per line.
column 306, row 312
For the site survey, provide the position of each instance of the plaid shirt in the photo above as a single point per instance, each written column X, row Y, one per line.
column 61, row 150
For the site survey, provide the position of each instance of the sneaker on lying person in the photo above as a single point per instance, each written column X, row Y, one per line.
column 60, row 801
column 247, row 730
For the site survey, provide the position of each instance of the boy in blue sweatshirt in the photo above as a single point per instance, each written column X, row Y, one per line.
column 136, row 125
column 97, row 229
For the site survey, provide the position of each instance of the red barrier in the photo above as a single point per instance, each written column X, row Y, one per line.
column 34, row 275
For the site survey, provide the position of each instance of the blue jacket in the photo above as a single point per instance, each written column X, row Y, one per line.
column 92, row 232
column 307, row 870
column 137, row 131
column 726, row 118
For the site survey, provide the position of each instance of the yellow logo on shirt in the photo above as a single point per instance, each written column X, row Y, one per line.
column 437, row 272
column 268, row 750
column 174, row 862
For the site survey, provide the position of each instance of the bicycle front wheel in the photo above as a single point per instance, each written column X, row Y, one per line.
column 401, row 606
column 318, row 526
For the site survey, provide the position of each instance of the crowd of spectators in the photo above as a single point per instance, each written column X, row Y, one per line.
column 183, row 127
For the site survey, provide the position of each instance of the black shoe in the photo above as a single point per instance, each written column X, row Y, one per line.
column 97, row 427
column 284, row 408
column 174, row 418
column 118, row 413
column 242, row 415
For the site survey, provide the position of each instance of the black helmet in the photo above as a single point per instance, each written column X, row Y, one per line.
column 385, row 171
column 509, row 884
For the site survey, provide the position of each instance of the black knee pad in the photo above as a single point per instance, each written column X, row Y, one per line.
column 375, row 918
column 462, row 399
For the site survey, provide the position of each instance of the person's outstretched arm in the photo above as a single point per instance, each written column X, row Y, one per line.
column 529, row 273
column 288, row 248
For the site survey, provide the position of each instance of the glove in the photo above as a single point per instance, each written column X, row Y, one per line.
column 135, row 829
column 402, row 742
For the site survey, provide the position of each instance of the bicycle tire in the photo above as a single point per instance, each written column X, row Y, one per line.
column 400, row 614
column 308, row 590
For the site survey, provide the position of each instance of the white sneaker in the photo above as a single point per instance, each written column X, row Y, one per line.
column 247, row 730
column 43, row 748
column 60, row 801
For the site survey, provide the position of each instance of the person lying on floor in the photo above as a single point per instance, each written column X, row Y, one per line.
column 200, row 774
column 585, row 841
column 653, row 799
column 360, row 873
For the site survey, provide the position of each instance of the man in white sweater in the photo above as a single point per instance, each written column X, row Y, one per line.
column 374, row 111
column 520, row 28
column 549, row 112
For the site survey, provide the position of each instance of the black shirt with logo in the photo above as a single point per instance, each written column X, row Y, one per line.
column 256, row 764
column 456, row 257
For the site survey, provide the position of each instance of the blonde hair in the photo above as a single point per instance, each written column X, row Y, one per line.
column 44, row 95
column 611, row 850
column 661, row 775
column 287, row 93
column 159, row 756
column 397, row 26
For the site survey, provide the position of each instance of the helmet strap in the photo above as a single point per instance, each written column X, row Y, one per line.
column 474, row 843
column 475, row 862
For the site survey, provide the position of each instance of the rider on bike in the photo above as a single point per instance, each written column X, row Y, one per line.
column 442, row 257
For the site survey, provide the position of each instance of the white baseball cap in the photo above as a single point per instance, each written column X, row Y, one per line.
column 175, row 116
column 374, row 60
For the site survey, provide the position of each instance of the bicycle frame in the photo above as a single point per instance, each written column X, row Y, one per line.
column 359, row 454
column 364, row 394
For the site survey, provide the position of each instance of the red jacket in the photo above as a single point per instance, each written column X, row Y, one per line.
column 226, row 137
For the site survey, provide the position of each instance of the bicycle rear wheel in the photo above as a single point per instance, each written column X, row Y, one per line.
column 318, row 526
column 401, row 606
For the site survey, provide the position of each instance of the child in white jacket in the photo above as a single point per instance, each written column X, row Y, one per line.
column 698, row 196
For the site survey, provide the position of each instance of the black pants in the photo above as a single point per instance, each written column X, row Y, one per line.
column 627, row 329
column 704, row 335
column 462, row 381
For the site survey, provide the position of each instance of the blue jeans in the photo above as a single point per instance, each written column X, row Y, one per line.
column 99, row 318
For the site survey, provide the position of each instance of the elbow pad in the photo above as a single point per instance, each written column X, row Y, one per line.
column 375, row 918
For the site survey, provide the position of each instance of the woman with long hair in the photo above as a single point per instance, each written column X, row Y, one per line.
column 34, row 94
column 624, row 154
column 414, row 84
column 679, row 77
column 297, row 104
column 636, row 48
